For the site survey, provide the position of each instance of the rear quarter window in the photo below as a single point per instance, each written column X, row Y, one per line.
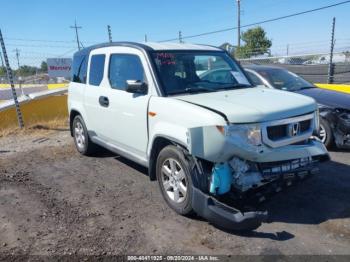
column 79, row 70
column 97, row 65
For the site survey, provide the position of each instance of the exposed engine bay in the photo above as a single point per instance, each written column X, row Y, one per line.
column 241, row 176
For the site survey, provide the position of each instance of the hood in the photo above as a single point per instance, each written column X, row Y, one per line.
column 328, row 98
column 253, row 105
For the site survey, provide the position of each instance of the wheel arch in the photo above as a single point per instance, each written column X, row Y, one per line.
column 159, row 142
column 72, row 114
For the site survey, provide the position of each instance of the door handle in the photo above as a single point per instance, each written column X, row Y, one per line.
column 104, row 101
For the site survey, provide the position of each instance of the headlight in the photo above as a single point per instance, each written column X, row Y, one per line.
column 251, row 133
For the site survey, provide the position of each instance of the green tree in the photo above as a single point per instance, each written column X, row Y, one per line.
column 255, row 43
column 26, row 70
column 2, row 71
column 43, row 67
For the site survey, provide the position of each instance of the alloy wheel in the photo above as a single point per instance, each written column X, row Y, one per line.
column 174, row 180
column 323, row 134
column 79, row 135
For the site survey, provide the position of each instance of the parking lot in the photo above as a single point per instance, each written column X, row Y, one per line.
column 54, row 201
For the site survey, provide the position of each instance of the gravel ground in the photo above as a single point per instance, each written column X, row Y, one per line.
column 54, row 201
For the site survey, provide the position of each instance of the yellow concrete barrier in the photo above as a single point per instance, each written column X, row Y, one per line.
column 17, row 85
column 36, row 111
column 49, row 86
column 54, row 86
column 335, row 87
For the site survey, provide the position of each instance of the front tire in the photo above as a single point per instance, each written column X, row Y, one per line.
column 81, row 137
column 326, row 134
column 174, row 179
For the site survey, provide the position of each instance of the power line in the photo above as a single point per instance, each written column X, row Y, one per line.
column 46, row 41
column 261, row 22
column 49, row 46
column 39, row 40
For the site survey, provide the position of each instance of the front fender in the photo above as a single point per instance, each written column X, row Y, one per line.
column 172, row 132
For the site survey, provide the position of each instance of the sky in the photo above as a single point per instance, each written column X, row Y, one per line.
column 130, row 20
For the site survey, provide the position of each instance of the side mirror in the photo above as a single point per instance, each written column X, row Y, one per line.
column 136, row 87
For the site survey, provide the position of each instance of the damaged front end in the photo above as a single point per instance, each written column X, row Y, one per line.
column 215, row 209
column 250, row 162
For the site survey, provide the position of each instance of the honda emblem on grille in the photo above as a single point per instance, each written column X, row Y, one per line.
column 294, row 129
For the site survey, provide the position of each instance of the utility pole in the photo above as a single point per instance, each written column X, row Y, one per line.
column 180, row 37
column 331, row 65
column 17, row 56
column 146, row 38
column 287, row 49
column 10, row 79
column 238, row 23
column 19, row 77
column 109, row 33
column 76, row 32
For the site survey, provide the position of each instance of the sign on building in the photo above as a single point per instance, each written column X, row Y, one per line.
column 59, row 67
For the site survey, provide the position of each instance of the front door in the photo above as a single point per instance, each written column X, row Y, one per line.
column 127, row 112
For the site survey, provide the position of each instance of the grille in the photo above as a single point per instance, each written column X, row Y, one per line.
column 281, row 167
column 287, row 131
column 276, row 132
column 305, row 125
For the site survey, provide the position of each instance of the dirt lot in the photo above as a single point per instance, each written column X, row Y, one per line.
column 54, row 201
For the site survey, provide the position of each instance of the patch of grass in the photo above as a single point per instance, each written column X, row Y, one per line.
column 40, row 128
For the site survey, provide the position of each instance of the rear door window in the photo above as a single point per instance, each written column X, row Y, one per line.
column 97, row 65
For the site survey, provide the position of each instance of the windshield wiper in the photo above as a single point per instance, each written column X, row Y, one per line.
column 306, row 87
column 192, row 90
column 234, row 87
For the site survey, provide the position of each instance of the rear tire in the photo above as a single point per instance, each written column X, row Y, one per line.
column 81, row 137
column 174, row 179
column 326, row 134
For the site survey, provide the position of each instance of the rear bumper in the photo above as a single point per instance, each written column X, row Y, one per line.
column 225, row 216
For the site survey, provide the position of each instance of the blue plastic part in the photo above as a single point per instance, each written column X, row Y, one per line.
column 221, row 179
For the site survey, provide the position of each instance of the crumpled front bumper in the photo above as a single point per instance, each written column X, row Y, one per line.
column 225, row 216
column 231, row 218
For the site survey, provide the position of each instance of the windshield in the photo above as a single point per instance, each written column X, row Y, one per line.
column 190, row 72
column 283, row 79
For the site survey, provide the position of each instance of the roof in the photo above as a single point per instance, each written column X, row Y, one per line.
column 180, row 46
column 149, row 46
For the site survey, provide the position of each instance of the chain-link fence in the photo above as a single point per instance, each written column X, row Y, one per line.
column 313, row 67
column 28, row 60
column 30, row 73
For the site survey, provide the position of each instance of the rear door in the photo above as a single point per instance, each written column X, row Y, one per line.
column 95, row 89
